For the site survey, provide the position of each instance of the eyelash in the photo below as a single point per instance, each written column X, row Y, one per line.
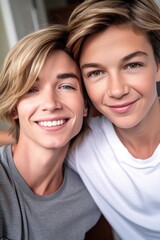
column 94, row 73
column 97, row 73
column 64, row 87
column 32, row 90
column 67, row 87
column 133, row 65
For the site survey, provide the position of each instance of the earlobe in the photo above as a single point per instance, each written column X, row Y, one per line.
column 85, row 110
column 14, row 114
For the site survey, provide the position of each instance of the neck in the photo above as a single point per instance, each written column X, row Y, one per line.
column 42, row 170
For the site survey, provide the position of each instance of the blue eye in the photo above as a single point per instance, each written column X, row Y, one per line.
column 67, row 87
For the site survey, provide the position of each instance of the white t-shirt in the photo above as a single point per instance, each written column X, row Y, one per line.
column 126, row 189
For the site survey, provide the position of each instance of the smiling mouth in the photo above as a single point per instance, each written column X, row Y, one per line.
column 52, row 123
column 123, row 108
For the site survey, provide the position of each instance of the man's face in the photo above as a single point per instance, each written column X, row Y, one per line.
column 52, row 111
column 120, row 74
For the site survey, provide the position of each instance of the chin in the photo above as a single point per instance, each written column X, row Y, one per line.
column 126, row 125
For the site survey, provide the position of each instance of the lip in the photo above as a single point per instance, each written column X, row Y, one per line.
column 122, row 108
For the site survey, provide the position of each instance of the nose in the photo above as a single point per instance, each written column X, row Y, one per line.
column 117, row 87
column 51, row 101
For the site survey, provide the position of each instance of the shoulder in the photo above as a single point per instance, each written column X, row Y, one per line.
column 77, row 192
column 74, row 184
column 91, row 146
column 100, row 122
column 6, row 164
column 5, row 169
column 5, row 153
column 73, row 178
column 99, row 126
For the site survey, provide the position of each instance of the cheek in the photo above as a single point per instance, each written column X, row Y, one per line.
column 95, row 92
column 90, row 88
column 24, row 109
column 96, row 88
column 80, row 108
column 146, row 85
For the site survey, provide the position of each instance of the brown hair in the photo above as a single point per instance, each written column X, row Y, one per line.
column 93, row 16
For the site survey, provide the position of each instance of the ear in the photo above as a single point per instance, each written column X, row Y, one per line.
column 85, row 110
column 14, row 114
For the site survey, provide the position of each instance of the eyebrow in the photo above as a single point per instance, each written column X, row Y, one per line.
column 124, row 59
column 62, row 76
column 90, row 65
column 134, row 54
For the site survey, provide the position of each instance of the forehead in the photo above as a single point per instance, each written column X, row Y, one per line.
column 62, row 59
column 59, row 62
column 115, row 40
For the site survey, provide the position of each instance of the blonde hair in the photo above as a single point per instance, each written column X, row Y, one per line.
column 22, row 67
column 93, row 16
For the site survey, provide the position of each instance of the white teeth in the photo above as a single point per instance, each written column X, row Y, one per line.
column 52, row 123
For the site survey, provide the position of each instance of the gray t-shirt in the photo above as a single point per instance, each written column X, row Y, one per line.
column 65, row 215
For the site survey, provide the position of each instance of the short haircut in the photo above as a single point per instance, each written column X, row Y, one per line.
column 94, row 16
